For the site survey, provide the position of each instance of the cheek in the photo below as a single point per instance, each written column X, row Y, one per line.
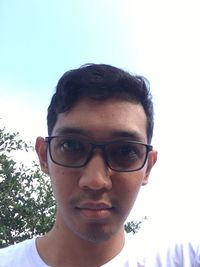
column 127, row 188
column 64, row 182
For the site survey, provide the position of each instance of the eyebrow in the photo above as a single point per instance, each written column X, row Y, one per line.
column 136, row 136
column 68, row 130
column 133, row 135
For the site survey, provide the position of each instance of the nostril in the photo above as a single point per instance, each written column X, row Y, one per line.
column 95, row 181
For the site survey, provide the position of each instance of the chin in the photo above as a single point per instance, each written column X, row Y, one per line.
column 96, row 233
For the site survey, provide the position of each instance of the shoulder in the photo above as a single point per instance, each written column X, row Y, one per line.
column 171, row 251
column 183, row 252
column 17, row 255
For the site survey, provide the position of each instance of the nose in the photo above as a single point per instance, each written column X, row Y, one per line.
column 96, row 174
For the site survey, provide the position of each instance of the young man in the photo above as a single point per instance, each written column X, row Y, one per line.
column 97, row 155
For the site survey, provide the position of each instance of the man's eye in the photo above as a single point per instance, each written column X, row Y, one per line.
column 128, row 151
column 70, row 145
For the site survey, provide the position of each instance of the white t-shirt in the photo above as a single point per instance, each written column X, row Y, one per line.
column 136, row 253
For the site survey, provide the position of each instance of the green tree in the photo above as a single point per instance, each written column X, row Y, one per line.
column 134, row 226
column 27, row 206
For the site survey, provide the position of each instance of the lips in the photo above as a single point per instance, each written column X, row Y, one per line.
column 94, row 210
column 94, row 205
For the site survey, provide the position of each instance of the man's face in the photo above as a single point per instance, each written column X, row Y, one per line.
column 93, row 201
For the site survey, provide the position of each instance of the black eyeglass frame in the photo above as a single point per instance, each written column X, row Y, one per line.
column 100, row 145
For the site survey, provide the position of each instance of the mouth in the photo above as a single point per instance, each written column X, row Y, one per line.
column 95, row 210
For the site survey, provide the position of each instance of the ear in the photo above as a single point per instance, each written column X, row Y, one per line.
column 152, row 158
column 41, row 149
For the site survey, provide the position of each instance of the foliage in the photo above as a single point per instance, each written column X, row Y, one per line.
column 134, row 226
column 27, row 206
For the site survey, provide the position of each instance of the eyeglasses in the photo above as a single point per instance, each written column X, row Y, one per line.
column 120, row 155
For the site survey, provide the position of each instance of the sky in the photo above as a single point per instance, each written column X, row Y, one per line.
column 158, row 39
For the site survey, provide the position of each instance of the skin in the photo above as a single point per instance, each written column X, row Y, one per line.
column 93, row 201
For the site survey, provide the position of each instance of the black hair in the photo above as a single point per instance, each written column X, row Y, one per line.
column 100, row 82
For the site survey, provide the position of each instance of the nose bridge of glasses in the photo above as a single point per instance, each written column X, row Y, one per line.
column 98, row 148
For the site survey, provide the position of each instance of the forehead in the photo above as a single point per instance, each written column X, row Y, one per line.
column 104, row 120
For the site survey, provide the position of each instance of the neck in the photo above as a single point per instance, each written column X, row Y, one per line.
column 64, row 248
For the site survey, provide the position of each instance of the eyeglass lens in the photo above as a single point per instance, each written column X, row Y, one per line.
column 119, row 155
